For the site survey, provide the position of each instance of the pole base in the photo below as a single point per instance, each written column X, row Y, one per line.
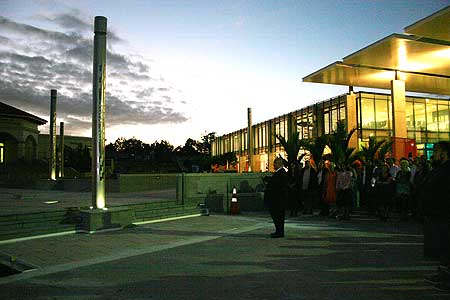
column 95, row 220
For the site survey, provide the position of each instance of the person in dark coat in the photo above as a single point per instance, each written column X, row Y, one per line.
column 434, row 199
column 309, row 187
column 295, row 200
column 276, row 197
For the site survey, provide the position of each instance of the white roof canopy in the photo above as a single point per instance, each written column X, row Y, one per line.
column 422, row 62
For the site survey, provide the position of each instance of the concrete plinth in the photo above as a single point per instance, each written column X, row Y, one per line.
column 95, row 220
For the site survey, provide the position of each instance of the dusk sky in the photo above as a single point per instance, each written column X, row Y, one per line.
column 179, row 69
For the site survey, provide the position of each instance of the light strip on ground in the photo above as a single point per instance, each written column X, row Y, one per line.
column 27, row 238
column 167, row 219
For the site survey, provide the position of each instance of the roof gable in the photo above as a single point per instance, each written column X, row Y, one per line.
column 10, row 111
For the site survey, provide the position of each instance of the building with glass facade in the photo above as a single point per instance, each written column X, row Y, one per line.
column 427, row 121
column 417, row 61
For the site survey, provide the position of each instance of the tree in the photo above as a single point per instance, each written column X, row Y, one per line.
column 338, row 142
column 206, row 144
column 315, row 147
column 291, row 147
column 161, row 151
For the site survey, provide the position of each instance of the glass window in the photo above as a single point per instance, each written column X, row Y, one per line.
column 255, row 137
column 342, row 115
column 443, row 136
column 264, row 139
column 326, row 119
column 432, row 115
column 410, row 115
column 443, row 117
column 277, row 129
column 280, row 128
column 226, row 145
column 367, row 113
column 2, row 149
column 382, row 114
column 334, row 119
column 419, row 116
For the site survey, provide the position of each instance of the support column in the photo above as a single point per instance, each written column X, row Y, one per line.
column 98, row 114
column 250, row 140
column 352, row 118
column 52, row 135
column 61, row 150
column 398, row 117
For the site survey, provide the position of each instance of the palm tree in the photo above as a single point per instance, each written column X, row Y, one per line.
column 338, row 142
column 291, row 146
column 374, row 146
column 315, row 147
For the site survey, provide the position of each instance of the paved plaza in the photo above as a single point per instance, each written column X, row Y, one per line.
column 228, row 257
column 19, row 201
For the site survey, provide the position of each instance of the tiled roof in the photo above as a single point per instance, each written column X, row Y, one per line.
column 10, row 111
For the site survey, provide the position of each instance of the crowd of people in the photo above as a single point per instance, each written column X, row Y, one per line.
column 412, row 188
column 383, row 188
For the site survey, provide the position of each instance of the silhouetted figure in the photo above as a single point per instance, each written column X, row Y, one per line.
column 309, row 187
column 295, row 201
column 384, row 191
column 344, row 192
column 276, row 197
column 434, row 199
column 403, row 188
column 329, row 190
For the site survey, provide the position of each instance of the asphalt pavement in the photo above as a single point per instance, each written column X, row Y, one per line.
column 228, row 257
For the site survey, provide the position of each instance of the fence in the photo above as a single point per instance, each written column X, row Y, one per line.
column 215, row 190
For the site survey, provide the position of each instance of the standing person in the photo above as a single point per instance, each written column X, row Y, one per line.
column 329, row 190
column 294, row 196
column 276, row 196
column 358, row 183
column 344, row 196
column 393, row 168
column 434, row 197
column 308, row 187
column 384, row 192
column 403, row 188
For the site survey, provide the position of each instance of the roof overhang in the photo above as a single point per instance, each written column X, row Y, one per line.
column 352, row 75
column 435, row 26
column 423, row 64
column 421, row 58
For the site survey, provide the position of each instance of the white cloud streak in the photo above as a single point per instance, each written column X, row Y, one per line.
column 34, row 60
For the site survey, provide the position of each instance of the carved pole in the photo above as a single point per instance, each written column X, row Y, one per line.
column 98, row 114
column 52, row 136
column 61, row 149
column 250, row 139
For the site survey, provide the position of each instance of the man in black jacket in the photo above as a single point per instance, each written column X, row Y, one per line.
column 276, row 197
column 435, row 202
column 309, row 187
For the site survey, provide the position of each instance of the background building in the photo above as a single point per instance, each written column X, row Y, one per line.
column 427, row 121
column 417, row 61
column 20, row 137
column 18, row 134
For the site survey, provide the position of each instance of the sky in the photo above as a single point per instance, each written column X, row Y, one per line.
column 181, row 69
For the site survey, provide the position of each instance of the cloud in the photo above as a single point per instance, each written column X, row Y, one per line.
column 75, row 21
column 34, row 60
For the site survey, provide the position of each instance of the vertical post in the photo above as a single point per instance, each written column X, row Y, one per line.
column 352, row 118
column 61, row 149
column 398, row 116
column 98, row 114
column 52, row 136
column 249, row 139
